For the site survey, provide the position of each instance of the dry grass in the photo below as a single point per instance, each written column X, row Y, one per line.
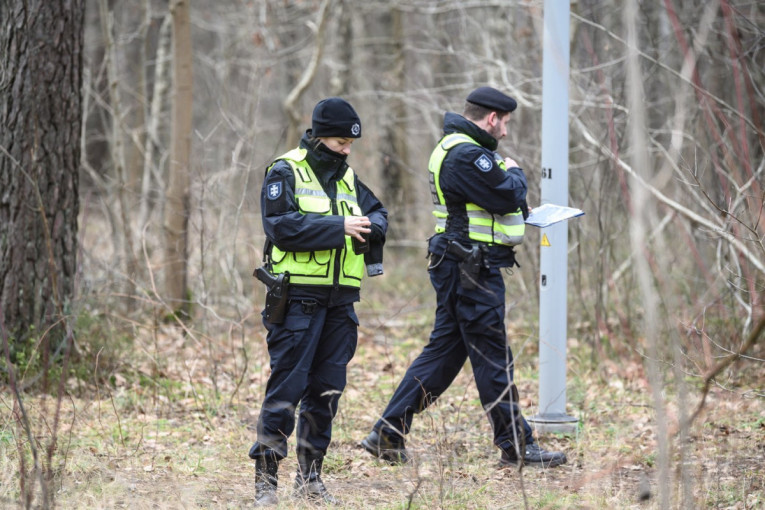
column 164, row 440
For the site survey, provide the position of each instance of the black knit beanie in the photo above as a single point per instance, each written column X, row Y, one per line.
column 335, row 117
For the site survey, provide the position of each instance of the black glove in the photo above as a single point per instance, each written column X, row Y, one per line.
column 377, row 233
column 525, row 210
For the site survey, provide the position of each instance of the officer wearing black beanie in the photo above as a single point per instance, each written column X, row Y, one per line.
column 335, row 116
column 313, row 208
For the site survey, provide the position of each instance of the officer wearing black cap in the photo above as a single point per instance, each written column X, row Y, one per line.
column 314, row 208
column 480, row 206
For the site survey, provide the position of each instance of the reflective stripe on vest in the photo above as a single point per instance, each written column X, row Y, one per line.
column 483, row 226
column 319, row 267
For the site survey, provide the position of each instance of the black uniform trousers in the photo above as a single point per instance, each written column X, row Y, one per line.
column 309, row 354
column 468, row 324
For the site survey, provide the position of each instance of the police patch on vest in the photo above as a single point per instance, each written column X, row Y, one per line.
column 483, row 163
column 274, row 190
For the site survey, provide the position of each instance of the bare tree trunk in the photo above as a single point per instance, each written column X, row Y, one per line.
column 399, row 186
column 341, row 73
column 41, row 119
column 643, row 217
column 40, row 115
column 291, row 102
column 118, row 151
column 152, row 162
column 177, row 196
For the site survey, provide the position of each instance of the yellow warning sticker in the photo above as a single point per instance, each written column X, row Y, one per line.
column 545, row 241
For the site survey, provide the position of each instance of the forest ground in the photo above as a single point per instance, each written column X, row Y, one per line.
column 171, row 425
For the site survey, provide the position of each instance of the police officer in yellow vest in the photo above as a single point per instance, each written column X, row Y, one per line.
column 479, row 206
column 313, row 206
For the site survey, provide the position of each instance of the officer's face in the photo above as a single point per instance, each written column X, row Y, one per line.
column 339, row 145
column 498, row 125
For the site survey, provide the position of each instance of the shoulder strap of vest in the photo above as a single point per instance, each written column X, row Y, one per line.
column 450, row 140
column 292, row 157
column 295, row 159
column 349, row 178
column 296, row 155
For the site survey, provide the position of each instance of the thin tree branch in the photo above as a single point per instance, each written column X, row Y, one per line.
column 725, row 363
column 691, row 215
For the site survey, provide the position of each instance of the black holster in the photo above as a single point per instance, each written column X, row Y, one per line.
column 471, row 261
column 276, row 297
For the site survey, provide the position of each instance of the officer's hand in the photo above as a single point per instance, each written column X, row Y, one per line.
column 357, row 225
column 511, row 163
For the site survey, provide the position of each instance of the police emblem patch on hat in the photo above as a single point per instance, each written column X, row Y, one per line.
column 274, row 190
column 356, row 129
column 483, row 163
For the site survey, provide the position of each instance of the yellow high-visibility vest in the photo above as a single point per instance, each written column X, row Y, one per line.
column 483, row 226
column 323, row 267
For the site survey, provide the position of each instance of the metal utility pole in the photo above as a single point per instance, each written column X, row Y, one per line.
column 552, row 415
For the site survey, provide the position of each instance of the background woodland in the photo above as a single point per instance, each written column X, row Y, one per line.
column 185, row 103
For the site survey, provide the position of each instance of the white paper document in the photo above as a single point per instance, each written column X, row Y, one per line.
column 549, row 214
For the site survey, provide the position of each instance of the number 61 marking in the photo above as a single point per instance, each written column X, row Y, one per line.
column 546, row 173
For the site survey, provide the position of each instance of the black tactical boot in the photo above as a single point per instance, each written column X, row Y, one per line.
column 382, row 446
column 308, row 482
column 533, row 455
column 265, row 481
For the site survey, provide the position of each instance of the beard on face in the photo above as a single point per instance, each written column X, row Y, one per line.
column 496, row 131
